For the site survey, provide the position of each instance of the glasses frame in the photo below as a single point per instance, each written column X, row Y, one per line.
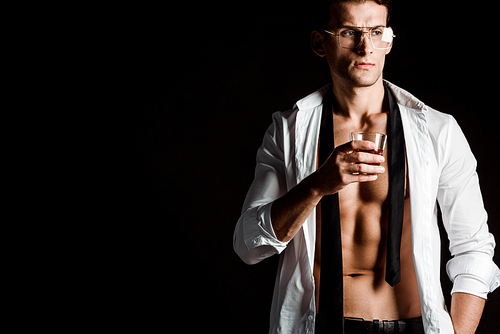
column 362, row 36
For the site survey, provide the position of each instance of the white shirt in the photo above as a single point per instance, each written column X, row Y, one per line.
column 441, row 169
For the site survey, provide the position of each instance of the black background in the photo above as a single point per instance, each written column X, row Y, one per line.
column 202, row 82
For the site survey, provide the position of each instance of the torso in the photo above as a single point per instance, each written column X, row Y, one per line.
column 364, row 217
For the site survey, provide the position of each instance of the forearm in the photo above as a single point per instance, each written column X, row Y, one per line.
column 345, row 166
column 289, row 212
column 466, row 311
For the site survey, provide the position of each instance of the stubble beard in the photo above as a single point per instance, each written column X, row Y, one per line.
column 359, row 78
column 345, row 73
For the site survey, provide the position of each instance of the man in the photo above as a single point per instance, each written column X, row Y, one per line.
column 283, row 211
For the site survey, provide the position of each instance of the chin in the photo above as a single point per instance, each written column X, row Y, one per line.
column 364, row 80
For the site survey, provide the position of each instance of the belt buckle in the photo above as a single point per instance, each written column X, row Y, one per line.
column 389, row 327
column 358, row 325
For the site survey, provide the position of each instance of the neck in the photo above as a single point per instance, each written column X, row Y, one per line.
column 359, row 102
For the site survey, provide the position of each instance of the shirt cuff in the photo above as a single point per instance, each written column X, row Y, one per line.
column 259, row 231
column 470, row 284
column 475, row 274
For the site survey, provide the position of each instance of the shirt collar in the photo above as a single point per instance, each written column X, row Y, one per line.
column 402, row 97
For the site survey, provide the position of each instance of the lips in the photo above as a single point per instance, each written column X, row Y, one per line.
column 364, row 65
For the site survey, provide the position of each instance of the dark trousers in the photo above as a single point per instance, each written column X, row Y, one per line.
column 360, row 326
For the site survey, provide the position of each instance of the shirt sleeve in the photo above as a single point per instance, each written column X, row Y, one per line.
column 254, row 238
column 471, row 268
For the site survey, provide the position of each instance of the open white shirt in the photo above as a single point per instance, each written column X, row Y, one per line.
column 441, row 170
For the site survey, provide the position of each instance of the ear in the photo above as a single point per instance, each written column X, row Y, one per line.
column 317, row 43
column 388, row 50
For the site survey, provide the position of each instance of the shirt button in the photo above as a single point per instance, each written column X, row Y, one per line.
column 310, row 318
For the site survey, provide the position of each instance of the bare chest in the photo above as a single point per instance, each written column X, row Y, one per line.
column 364, row 218
column 359, row 195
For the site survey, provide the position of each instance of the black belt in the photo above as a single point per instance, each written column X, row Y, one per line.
column 360, row 326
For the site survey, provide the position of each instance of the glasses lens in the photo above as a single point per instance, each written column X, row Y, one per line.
column 380, row 37
column 349, row 38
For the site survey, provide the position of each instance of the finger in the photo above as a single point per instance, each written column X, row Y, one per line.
column 366, row 178
column 363, row 145
column 363, row 169
column 364, row 157
column 356, row 145
column 351, row 178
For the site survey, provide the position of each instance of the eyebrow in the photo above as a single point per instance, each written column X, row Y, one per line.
column 348, row 26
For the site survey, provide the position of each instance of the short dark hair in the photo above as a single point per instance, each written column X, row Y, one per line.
column 323, row 16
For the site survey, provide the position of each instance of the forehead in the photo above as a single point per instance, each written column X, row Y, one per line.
column 368, row 14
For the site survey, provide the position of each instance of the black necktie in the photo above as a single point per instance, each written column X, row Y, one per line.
column 397, row 161
column 331, row 296
column 330, row 317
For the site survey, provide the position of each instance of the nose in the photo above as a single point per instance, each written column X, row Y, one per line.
column 365, row 47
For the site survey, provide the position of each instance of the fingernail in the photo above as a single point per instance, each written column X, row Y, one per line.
column 372, row 145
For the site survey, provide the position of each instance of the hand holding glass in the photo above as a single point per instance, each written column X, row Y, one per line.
column 378, row 138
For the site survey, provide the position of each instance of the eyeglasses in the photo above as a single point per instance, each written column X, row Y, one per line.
column 352, row 37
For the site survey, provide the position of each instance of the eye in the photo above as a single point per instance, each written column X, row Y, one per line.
column 348, row 33
column 377, row 32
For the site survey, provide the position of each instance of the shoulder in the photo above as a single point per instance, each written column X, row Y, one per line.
column 306, row 104
column 419, row 112
column 303, row 112
column 427, row 125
